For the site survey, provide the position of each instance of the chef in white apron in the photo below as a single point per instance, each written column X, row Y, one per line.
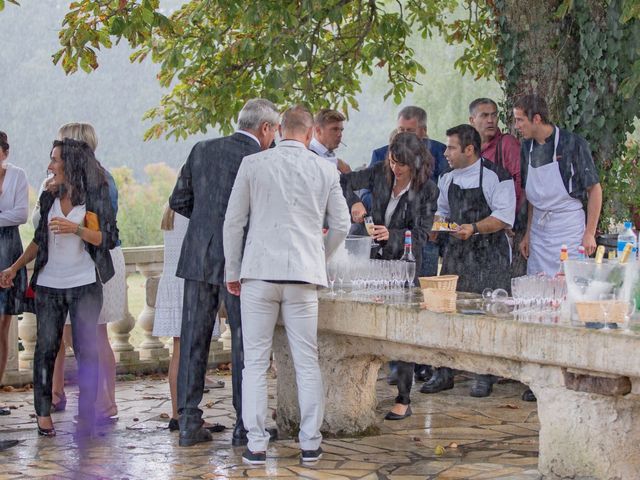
column 558, row 218
column 556, row 213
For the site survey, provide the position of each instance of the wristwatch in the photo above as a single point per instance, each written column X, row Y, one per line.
column 475, row 228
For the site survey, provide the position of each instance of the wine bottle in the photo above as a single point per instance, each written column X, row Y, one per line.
column 564, row 255
column 409, row 259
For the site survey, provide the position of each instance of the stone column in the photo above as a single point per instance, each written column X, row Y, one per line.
column 349, row 380
column 588, row 435
column 151, row 347
column 27, row 329
column 217, row 351
column 225, row 334
column 121, row 330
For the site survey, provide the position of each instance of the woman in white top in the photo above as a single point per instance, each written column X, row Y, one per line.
column 71, row 250
column 14, row 207
column 112, row 305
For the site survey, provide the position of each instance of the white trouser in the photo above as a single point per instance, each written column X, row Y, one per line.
column 261, row 303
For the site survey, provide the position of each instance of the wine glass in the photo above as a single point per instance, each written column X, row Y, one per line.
column 409, row 272
column 630, row 310
column 332, row 271
column 369, row 225
column 342, row 269
column 606, row 301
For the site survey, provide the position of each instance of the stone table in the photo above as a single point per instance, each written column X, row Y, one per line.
column 587, row 381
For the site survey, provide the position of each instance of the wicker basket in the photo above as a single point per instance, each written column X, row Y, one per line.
column 442, row 282
column 591, row 311
column 438, row 300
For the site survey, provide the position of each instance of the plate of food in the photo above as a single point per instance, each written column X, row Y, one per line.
column 441, row 226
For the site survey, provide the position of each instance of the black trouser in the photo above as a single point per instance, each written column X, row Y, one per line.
column 200, row 306
column 405, row 381
column 52, row 305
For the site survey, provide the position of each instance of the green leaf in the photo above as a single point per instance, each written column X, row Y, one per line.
column 147, row 15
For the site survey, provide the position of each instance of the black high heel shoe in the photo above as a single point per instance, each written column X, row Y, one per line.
column 60, row 406
column 45, row 432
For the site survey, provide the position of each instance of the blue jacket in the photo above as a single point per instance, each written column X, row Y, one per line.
column 437, row 151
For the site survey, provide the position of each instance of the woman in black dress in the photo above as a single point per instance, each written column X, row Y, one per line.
column 14, row 211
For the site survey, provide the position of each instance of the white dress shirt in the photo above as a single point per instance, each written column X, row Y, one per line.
column 68, row 264
column 393, row 202
column 322, row 151
column 14, row 199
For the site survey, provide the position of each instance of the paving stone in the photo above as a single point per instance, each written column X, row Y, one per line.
column 492, row 438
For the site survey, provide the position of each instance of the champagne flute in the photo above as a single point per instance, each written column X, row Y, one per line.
column 332, row 271
column 630, row 310
column 369, row 225
column 410, row 272
column 607, row 301
column 342, row 268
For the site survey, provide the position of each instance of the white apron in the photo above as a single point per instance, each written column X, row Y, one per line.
column 558, row 218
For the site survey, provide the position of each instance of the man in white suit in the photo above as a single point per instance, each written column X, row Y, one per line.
column 284, row 194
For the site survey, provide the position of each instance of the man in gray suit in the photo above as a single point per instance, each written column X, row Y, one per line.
column 284, row 193
column 202, row 194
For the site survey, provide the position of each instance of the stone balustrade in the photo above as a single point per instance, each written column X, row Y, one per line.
column 152, row 355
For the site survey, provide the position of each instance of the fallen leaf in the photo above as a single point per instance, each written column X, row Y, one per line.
column 136, row 419
column 452, row 445
column 439, row 450
column 416, row 439
column 164, row 415
column 509, row 405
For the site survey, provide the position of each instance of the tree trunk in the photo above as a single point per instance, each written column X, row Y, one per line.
column 537, row 52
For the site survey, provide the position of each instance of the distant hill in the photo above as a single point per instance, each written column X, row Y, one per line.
column 38, row 97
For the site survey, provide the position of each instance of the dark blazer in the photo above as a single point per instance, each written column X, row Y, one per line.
column 99, row 202
column 441, row 165
column 414, row 212
column 201, row 194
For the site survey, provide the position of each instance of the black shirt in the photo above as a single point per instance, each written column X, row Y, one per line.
column 577, row 169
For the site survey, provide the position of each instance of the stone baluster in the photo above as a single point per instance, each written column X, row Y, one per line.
column 216, row 349
column 12, row 372
column 151, row 347
column 124, row 352
column 27, row 329
column 225, row 336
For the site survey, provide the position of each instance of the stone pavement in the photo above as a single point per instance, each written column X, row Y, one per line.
column 491, row 438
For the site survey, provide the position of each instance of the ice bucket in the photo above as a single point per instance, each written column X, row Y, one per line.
column 587, row 281
column 358, row 247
